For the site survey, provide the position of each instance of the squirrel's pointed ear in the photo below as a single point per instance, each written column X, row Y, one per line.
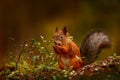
column 65, row 30
column 56, row 29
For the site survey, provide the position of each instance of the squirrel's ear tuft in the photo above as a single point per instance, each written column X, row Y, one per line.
column 65, row 30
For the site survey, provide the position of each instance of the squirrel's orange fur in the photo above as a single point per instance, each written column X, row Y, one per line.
column 68, row 52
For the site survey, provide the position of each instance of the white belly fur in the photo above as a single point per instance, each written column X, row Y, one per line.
column 65, row 61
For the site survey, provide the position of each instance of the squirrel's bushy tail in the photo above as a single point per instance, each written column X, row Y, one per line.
column 92, row 45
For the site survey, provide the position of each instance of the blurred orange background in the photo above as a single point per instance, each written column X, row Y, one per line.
column 22, row 20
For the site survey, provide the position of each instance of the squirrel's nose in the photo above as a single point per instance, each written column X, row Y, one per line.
column 57, row 43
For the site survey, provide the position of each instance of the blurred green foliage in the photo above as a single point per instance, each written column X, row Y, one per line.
column 24, row 19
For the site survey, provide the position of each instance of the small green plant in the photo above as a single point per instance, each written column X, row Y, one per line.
column 33, row 56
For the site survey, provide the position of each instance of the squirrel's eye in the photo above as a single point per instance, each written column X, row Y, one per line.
column 61, row 37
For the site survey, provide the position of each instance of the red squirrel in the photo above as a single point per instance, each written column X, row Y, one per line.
column 69, row 54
